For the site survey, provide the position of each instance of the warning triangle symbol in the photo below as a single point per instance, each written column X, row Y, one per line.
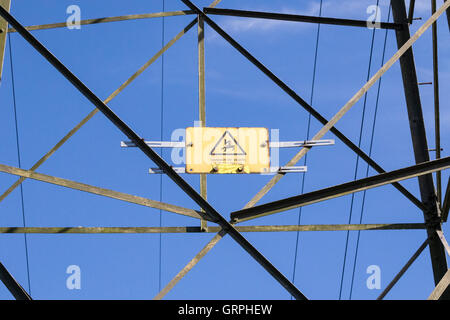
column 227, row 145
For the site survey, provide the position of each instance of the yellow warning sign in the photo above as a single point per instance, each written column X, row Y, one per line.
column 227, row 150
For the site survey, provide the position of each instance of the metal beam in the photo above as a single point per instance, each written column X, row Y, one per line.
column 272, row 144
column 448, row 18
column 446, row 204
column 3, row 34
column 437, row 121
column 13, row 286
column 302, row 102
column 303, row 143
column 201, row 99
column 210, row 212
column 107, row 19
column 297, row 18
column 443, row 240
column 441, row 288
column 100, row 191
column 403, row 270
column 412, row 4
column 155, row 144
column 340, row 190
column 272, row 170
column 137, row 230
column 419, row 139
column 190, row 265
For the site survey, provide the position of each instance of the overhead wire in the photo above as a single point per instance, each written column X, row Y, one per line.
column 363, row 115
column 307, row 138
column 370, row 154
column 19, row 159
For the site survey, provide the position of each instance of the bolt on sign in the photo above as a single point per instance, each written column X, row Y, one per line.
column 227, row 150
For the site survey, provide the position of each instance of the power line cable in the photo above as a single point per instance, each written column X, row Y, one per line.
column 19, row 158
column 307, row 137
column 357, row 157
column 370, row 154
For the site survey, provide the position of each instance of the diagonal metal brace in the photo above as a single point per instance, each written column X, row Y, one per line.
column 13, row 286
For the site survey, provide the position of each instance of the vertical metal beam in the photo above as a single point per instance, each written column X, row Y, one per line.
column 419, row 141
column 201, row 99
column 3, row 34
column 13, row 286
column 437, row 122
column 201, row 70
column 446, row 204
column 411, row 11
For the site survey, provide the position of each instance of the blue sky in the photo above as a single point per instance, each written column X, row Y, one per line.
column 237, row 94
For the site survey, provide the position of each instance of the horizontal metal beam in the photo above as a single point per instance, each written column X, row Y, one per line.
column 272, row 144
column 13, row 286
column 297, row 18
column 99, row 191
column 211, row 229
column 287, row 169
column 209, row 211
column 272, row 170
column 304, row 143
column 341, row 190
column 108, row 19
column 179, row 170
column 155, row 144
